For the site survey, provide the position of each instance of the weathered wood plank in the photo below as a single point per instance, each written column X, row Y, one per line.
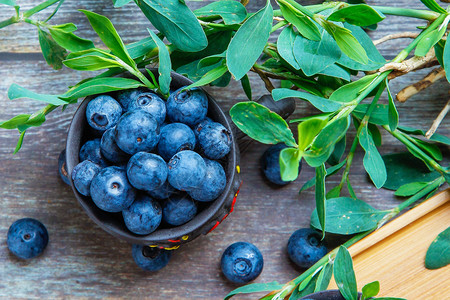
column 82, row 260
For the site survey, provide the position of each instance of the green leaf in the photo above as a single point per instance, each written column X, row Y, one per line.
column 164, row 66
column 255, row 288
column 370, row 290
column 120, row 3
column 373, row 163
column 315, row 56
column 350, row 189
column 304, row 25
column 141, row 48
column 308, row 130
column 68, row 27
column 438, row 254
column 379, row 115
column 350, row 91
column 19, row 142
column 404, row 168
column 91, row 63
column 324, row 278
column 305, row 288
column 108, row 34
column 376, row 134
column 430, row 39
column 52, row 52
column 15, row 91
column 102, row 85
column 15, row 121
column 439, row 51
column 431, row 149
column 245, row 82
column 446, row 58
column 432, row 4
column 348, row 216
column 410, row 189
column 323, row 104
column 323, row 145
column 231, row 12
column 376, row 60
column 289, row 163
column 359, row 15
column 320, row 196
column 435, row 137
column 9, row 2
column 70, row 41
column 338, row 151
column 261, row 124
column 336, row 71
column 393, row 113
column 249, row 41
column 346, row 42
column 210, row 76
column 330, row 171
column 285, row 46
column 177, row 22
column 344, row 275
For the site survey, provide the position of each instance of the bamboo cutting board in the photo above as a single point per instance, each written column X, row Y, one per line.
column 395, row 254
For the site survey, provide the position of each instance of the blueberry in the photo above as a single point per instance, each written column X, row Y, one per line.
column 174, row 138
column 109, row 148
column 136, row 131
column 163, row 192
column 143, row 216
column 146, row 171
column 214, row 140
column 82, row 175
column 150, row 258
column 305, row 247
column 126, row 97
column 151, row 103
column 186, row 170
column 62, row 167
column 270, row 164
column 103, row 112
column 212, row 185
column 241, row 262
column 111, row 191
column 91, row 151
column 188, row 107
column 201, row 125
column 179, row 209
column 27, row 238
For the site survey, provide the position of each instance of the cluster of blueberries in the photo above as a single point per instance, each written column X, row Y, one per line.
column 155, row 159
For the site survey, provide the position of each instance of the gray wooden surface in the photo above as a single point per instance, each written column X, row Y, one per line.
column 83, row 261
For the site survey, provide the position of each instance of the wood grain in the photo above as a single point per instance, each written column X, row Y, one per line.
column 82, row 260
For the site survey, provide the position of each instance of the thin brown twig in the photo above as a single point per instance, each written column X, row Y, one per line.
column 265, row 78
column 400, row 35
column 438, row 120
column 415, row 88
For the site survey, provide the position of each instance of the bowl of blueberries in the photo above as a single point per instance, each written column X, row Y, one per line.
column 151, row 171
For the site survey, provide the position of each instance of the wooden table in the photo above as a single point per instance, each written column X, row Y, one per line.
column 83, row 261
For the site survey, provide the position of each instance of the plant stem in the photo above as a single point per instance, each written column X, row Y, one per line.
column 279, row 25
column 9, row 21
column 408, row 12
column 39, row 7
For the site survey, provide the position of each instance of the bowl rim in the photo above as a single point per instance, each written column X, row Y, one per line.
column 160, row 235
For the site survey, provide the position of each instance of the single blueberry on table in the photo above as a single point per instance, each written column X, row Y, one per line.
column 270, row 164
column 109, row 148
column 146, row 171
column 212, row 185
column 186, row 170
column 174, row 138
column 62, row 167
column 242, row 262
column 305, row 247
column 143, row 216
column 103, row 112
column 27, row 238
column 150, row 258
column 214, row 140
column 163, row 192
column 111, row 191
column 137, row 131
column 82, row 175
column 151, row 103
column 91, row 151
column 188, row 107
column 179, row 209
column 126, row 97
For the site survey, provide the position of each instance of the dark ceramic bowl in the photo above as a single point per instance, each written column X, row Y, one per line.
column 208, row 218
column 325, row 295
